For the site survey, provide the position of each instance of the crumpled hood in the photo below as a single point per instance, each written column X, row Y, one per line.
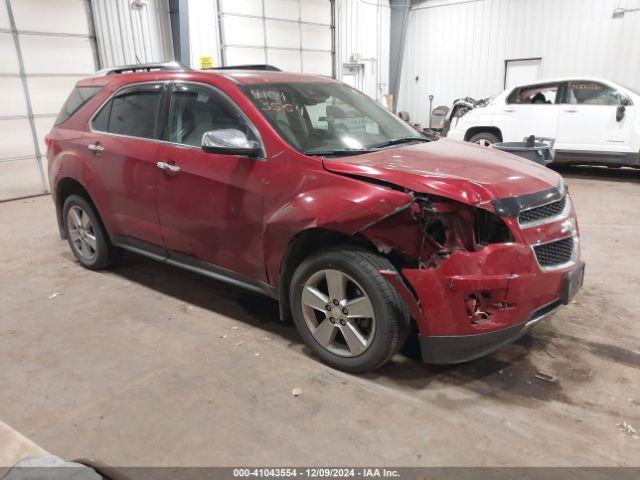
column 456, row 170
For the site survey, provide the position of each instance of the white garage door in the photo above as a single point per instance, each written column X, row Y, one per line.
column 293, row 35
column 45, row 47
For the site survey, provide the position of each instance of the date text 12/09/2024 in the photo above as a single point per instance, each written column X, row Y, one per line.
column 365, row 472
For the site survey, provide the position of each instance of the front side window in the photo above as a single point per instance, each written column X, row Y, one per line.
column 328, row 117
column 593, row 93
column 131, row 112
column 195, row 110
column 535, row 94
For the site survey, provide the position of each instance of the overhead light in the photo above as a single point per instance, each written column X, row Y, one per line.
column 618, row 13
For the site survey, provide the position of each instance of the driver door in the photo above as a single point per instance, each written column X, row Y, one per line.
column 210, row 205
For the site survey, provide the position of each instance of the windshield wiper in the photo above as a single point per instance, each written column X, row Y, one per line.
column 338, row 153
column 358, row 151
column 398, row 141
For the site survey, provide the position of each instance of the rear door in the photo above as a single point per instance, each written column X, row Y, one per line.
column 531, row 110
column 590, row 119
column 123, row 145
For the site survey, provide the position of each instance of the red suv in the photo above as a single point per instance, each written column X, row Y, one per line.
column 304, row 189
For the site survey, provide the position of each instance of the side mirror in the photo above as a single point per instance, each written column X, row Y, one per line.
column 230, row 141
column 620, row 113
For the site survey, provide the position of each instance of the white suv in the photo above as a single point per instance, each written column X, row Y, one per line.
column 593, row 121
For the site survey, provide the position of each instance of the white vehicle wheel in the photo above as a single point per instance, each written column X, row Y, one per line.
column 484, row 139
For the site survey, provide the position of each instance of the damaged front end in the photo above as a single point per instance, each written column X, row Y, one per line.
column 462, row 106
column 470, row 280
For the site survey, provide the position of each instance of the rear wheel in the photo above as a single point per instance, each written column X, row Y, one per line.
column 87, row 237
column 484, row 139
column 345, row 311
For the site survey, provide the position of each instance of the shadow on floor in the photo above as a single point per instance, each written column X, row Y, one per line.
column 206, row 293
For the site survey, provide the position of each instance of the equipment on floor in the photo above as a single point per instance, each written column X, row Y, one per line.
column 536, row 149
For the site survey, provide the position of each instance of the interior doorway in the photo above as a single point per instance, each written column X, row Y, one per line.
column 353, row 75
column 522, row 71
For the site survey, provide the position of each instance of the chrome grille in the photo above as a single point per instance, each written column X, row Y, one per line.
column 555, row 253
column 545, row 211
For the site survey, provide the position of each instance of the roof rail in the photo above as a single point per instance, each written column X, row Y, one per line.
column 142, row 67
column 269, row 68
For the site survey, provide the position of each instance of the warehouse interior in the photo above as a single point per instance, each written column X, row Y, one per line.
column 151, row 364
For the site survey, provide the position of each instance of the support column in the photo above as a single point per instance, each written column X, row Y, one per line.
column 398, row 33
column 179, row 17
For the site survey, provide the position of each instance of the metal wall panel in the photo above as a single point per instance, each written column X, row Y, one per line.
column 458, row 47
column 132, row 31
column 363, row 37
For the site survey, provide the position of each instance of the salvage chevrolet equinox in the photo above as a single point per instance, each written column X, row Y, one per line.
column 304, row 189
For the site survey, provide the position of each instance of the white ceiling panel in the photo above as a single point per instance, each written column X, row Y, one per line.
column 316, row 62
column 12, row 101
column 286, row 9
column 315, row 37
column 286, row 60
column 283, row 34
column 19, row 178
column 49, row 93
column 244, row 56
column 245, row 7
column 44, row 54
column 243, row 31
column 16, row 138
column 54, row 16
column 316, row 11
column 8, row 55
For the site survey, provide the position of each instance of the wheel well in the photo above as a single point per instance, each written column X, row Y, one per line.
column 68, row 186
column 472, row 131
column 304, row 244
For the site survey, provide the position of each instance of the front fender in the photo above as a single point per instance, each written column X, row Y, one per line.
column 348, row 208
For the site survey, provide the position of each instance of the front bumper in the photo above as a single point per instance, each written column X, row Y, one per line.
column 463, row 348
column 505, row 306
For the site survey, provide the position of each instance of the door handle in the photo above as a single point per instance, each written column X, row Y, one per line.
column 572, row 110
column 96, row 147
column 509, row 109
column 168, row 167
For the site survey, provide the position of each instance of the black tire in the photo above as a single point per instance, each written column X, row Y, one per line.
column 105, row 254
column 491, row 138
column 391, row 313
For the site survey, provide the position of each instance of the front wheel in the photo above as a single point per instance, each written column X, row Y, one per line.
column 345, row 311
column 484, row 139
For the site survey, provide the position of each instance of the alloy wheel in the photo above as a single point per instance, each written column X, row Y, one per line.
column 483, row 142
column 82, row 233
column 338, row 313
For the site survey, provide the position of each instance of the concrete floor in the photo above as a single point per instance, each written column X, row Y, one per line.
column 150, row 365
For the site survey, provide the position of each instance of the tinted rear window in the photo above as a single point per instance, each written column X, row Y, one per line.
column 78, row 97
column 131, row 113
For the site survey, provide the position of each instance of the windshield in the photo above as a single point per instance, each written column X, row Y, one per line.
column 324, row 118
